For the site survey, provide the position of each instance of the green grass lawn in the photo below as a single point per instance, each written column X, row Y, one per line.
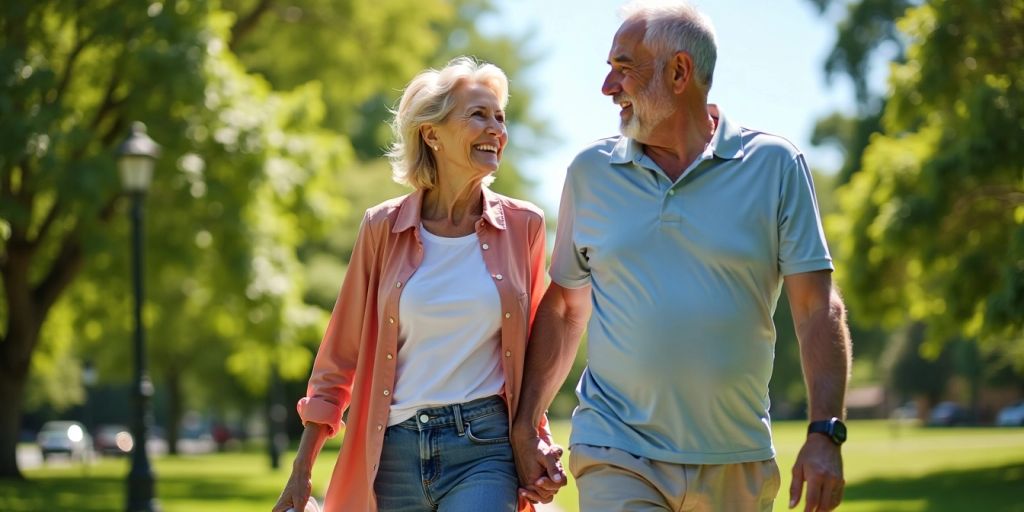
column 887, row 470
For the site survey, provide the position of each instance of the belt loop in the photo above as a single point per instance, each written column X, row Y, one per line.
column 459, row 427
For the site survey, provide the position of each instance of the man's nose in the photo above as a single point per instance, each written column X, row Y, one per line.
column 611, row 85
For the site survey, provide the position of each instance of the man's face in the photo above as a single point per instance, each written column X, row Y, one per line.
column 636, row 83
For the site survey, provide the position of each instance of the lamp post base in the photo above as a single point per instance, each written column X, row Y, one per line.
column 141, row 493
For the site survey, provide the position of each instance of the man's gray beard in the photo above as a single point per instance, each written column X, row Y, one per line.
column 650, row 107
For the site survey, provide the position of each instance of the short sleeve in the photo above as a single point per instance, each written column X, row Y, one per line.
column 569, row 266
column 802, row 245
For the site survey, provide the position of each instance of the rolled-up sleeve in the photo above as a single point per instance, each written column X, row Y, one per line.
column 329, row 391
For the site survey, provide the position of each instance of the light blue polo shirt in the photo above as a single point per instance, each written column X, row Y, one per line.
column 685, row 279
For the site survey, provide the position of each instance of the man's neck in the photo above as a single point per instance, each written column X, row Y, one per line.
column 683, row 140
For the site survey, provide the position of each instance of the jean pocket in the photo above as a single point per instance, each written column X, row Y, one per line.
column 492, row 429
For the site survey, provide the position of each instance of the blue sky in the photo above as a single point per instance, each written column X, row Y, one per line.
column 769, row 74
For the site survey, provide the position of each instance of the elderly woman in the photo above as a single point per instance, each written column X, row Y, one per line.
column 426, row 343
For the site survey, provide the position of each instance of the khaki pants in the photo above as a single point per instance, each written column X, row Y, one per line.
column 611, row 480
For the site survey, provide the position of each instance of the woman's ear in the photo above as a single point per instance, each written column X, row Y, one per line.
column 429, row 134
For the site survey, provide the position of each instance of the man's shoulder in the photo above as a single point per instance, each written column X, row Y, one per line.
column 596, row 154
column 767, row 144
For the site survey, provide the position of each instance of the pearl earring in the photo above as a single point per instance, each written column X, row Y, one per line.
column 437, row 148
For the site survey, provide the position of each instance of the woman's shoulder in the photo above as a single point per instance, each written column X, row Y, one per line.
column 385, row 211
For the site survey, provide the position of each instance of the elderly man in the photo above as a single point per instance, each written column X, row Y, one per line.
column 674, row 241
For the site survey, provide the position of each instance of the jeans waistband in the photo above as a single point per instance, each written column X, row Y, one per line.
column 455, row 414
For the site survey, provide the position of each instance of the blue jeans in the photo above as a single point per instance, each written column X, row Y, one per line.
column 455, row 458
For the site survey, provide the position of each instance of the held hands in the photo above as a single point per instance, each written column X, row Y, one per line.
column 820, row 464
column 296, row 492
column 538, row 462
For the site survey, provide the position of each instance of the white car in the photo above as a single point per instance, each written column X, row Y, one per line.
column 1011, row 416
column 68, row 437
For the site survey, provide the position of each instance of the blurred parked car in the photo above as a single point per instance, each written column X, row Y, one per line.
column 948, row 414
column 113, row 440
column 1011, row 416
column 68, row 437
column 906, row 413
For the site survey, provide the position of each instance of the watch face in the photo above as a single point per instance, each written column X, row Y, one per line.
column 838, row 431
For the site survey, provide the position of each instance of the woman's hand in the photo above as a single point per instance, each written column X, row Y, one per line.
column 296, row 492
column 538, row 464
column 300, row 483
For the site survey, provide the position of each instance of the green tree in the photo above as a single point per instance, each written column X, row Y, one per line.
column 259, row 187
column 932, row 224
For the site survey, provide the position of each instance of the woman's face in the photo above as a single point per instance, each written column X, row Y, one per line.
column 473, row 136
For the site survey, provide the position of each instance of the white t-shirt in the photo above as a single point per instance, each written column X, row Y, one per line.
column 449, row 341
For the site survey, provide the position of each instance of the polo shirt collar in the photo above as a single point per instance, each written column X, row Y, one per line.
column 410, row 208
column 726, row 143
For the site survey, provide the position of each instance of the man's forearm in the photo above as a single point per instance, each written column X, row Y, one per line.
column 554, row 340
column 825, row 352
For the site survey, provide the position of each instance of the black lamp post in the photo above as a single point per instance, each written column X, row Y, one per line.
column 89, row 378
column 136, row 156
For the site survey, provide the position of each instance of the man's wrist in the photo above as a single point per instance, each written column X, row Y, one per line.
column 523, row 429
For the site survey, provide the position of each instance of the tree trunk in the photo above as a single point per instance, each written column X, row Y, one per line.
column 27, row 307
column 16, row 347
column 12, row 387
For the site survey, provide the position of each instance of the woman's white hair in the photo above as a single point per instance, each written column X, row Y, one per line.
column 675, row 26
column 429, row 98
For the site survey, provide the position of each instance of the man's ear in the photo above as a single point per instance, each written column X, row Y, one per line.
column 681, row 71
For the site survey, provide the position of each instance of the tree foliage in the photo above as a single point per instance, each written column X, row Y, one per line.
column 932, row 224
column 269, row 116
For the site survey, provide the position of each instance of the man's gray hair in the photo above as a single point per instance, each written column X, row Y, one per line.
column 675, row 26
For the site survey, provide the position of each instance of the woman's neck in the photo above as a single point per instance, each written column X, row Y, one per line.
column 453, row 206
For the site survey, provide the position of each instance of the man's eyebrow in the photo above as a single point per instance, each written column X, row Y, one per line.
column 620, row 59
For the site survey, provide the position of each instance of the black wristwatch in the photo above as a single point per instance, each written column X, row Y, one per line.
column 833, row 428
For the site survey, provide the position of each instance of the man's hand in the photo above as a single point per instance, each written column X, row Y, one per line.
column 538, row 464
column 820, row 464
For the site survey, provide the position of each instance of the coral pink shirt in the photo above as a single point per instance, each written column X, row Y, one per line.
column 355, row 366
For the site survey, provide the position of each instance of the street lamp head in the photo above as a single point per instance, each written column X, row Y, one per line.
column 135, row 158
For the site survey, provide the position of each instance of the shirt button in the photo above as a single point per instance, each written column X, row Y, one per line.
column 508, row 315
column 390, row 357
column 508, row 353
column 424, row 418
column 485, row 247
column 671, row 191
column 398, row 284
column 374, row 467
column 391, row 320
column 380, row 427
column 499, row 277
column 387, row 393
